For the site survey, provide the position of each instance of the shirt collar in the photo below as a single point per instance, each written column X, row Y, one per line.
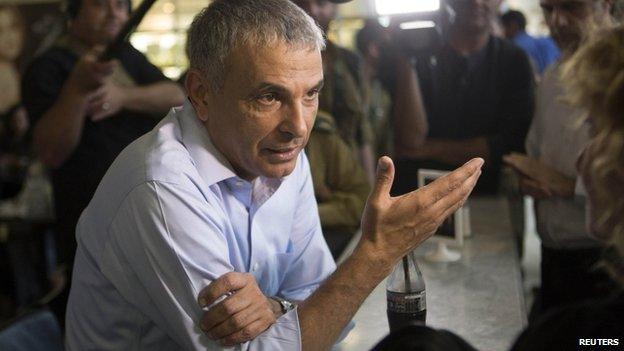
column 211, row 164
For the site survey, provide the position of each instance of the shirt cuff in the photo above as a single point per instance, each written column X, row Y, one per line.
column 285, row 334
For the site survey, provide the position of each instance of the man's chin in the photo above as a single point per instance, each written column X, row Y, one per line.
column 279, row 171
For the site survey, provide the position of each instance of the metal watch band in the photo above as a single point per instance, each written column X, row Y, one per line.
column 284, row 304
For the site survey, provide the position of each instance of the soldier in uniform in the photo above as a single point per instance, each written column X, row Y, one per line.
column 340, row 185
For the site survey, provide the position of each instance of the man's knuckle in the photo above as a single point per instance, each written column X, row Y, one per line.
column 228, row 307
column 247, row 332
column 238, row 322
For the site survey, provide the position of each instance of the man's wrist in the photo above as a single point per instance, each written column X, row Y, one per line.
column 373, row 258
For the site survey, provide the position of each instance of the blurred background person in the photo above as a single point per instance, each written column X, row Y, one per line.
column 84, row 112
column 11, row 43
column 478, row 96
column 342, row 93
column 595, row 83
column 13, row 120
column 340, row 186
column 548, row 173
column 542, row 51
column 392, row 93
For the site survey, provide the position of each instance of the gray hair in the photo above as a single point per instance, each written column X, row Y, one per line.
column 228, row 24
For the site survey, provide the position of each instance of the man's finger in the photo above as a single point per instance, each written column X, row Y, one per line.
column 463, row 194
column 236, row 322
column 225, row 309
column 225, row 284
column 455, row 199
column 383, row 179
column 443, row 186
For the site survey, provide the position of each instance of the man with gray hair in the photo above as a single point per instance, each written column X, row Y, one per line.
column 204, row 233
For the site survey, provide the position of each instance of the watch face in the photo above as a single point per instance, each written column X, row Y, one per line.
column 288, row 305
column 284, row 304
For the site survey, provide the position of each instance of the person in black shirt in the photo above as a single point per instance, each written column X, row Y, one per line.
column 478, row 94
column 84, row 112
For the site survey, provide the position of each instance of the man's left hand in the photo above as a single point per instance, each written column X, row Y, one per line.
column 240, row 317
column 547, row 180
column 106, row 101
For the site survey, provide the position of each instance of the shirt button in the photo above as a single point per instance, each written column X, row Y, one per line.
column 255, row 267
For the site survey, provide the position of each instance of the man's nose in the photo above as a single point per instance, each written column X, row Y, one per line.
column 294, row 122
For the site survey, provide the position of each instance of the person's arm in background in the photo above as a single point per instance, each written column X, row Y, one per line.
column 155, row 99
column 408, row 115
column 516, row 111
column 60, row 111
column 154, row 95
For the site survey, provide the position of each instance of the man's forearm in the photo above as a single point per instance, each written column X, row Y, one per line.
column 155, row 98
column 324, row 315
column 408, row 111
column 58, row 131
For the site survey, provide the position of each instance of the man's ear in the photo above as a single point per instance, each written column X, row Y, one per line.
column 198, row 90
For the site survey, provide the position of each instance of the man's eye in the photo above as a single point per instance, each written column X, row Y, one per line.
column 267, row 98
column 312, row 94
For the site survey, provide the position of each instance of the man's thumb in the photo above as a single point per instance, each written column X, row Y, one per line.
column 383, row 178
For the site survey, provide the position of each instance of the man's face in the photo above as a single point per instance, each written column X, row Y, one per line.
column 262, row 116
column 510, row 30
column 99, row 21
column 474, row 15
column 570, row 20
column 322, row 11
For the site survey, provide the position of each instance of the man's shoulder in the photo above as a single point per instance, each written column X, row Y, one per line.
column 158, row 156
column 55, row 59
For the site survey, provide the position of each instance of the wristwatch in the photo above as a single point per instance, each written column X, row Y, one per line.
column 285, row 305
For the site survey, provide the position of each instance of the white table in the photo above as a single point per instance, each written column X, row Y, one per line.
column 480, row 297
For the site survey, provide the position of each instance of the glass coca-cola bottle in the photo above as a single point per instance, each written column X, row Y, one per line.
column 405, row 292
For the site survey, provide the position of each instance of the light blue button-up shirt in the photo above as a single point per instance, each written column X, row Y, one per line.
column 169, row 217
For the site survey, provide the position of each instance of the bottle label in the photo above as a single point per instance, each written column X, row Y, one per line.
column 406, row 303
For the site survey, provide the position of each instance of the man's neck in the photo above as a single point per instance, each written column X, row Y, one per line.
column 467, row 42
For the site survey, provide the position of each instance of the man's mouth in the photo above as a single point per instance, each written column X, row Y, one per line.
column 283, row 154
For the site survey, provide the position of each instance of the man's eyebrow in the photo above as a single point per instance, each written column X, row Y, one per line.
column 280, row 89
column 266, row 86
column 319, row 85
